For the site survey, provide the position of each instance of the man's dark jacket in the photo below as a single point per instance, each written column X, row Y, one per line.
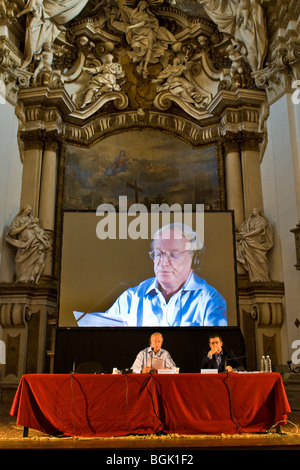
column 226, row 356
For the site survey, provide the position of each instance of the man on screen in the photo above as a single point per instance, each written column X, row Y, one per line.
column 142, row 363
column 176, row 296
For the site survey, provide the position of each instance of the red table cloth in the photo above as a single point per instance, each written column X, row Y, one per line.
column 117, row 405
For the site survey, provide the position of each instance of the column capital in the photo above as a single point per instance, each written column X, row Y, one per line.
column 52, row 140
column 231, row 142
column 250, row 140
column 33, row 139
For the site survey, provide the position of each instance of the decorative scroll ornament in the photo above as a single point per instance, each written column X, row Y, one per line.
column 119, row 99
column 180, row 89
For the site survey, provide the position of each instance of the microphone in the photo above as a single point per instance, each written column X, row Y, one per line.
column 151, row 357
column 232, row 359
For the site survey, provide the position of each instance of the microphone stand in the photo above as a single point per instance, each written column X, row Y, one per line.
column 232, row 359
column 151, row 358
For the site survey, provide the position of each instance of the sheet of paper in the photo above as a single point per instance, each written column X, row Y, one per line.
column 97, row 319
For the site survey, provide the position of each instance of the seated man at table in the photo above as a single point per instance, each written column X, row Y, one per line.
column 220, row 358
column 144, row 359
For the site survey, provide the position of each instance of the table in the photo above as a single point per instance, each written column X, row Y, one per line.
column 93, row 405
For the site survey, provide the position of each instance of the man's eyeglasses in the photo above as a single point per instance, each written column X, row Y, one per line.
column 172, row 256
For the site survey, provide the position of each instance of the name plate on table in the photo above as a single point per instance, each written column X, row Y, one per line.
column 209, row 371
column 166, row 371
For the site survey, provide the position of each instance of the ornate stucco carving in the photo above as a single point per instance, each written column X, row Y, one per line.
column 253, row 44
column 149, row 52
column 245, row 22
column 105, row 78
column 45, row 20
column 282, row 64
column 165, row 56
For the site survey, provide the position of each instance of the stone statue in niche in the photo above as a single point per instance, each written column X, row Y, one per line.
column 104, row 79
column 171, row 79
column 148, row 40
column 32, row 244
column 244, row 20
column 254, row 238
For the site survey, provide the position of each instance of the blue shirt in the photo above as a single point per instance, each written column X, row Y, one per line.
column 195, row 304
column 144, row 359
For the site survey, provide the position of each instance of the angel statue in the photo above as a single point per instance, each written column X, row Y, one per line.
column 148, row 40
column 45, row 59
column 171, row 79
column 104, row 79
column 44, row 22
column 244, row 20
column 236, row 56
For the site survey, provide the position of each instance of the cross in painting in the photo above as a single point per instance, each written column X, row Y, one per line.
column 136, row 189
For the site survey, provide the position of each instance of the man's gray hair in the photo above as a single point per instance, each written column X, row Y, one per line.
column 180, row 231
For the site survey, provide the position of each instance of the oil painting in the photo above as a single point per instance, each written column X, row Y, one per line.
column 148, row 167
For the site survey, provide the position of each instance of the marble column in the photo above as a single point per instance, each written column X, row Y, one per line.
column 48, row 183
column 234, row 185
column 32, row 164
column 48, row 192
column 252, row 185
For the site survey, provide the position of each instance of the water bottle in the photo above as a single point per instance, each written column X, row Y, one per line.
column 269, row 364
column 263, row 364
